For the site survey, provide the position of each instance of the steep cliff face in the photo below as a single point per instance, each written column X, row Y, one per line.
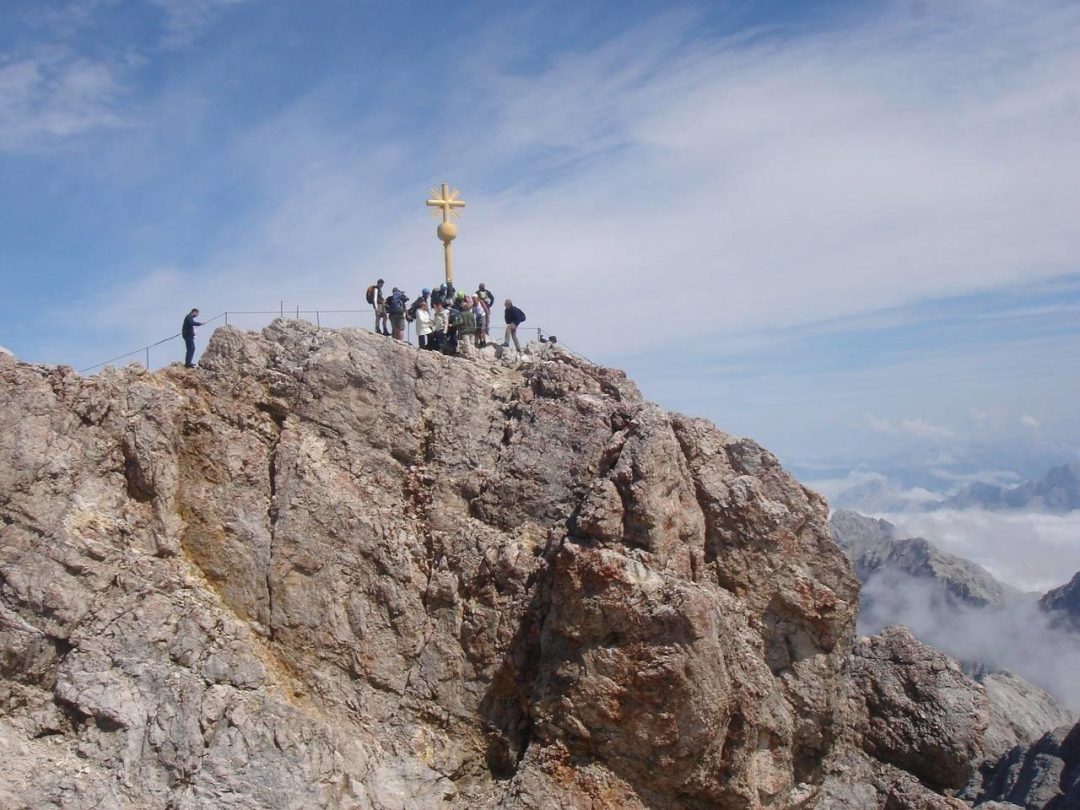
column 328, row 570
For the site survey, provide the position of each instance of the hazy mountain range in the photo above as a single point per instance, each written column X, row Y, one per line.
column 1056, row 491
column 961, row 608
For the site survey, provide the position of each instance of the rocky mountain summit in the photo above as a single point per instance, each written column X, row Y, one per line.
column 329, row 570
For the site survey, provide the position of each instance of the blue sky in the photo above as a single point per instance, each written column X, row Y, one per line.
column 848, row 230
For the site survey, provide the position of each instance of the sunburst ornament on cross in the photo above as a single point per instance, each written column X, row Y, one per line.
column 446, row 200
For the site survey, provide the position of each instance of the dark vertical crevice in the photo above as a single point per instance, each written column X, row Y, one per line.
column 506, row 708
column 272, row 515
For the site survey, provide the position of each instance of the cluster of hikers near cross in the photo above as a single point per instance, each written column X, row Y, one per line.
column 446, row 319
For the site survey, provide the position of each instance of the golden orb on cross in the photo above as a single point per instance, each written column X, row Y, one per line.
column 447, row 231
column 445, row 200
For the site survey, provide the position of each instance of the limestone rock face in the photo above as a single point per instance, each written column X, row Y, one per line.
column 328, row 570
column 922, row 714
column 1020, row 713
column 1044, row 775
column 1063, row 603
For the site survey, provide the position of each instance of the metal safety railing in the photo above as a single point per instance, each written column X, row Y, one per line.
column 315, row 316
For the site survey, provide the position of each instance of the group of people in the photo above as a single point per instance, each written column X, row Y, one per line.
column 446, row 319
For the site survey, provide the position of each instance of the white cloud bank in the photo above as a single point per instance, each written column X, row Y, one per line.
column 1031, row 551
column 1020, row 637
column 53, row 95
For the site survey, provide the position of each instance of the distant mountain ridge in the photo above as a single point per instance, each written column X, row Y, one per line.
column 959, row 607
column 1057, row 491
column 874, row 548
column 1064, row 602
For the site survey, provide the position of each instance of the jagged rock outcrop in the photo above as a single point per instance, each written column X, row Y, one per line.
column 328, row 570
column 1044, row 775
column 1063, row 603
column 921, row 713
column 1020, row 712
column 875, row 549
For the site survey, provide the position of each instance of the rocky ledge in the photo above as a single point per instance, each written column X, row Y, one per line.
column 328, row 570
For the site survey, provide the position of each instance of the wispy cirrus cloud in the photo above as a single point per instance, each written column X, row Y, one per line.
column 54, row 95
column 185, row 20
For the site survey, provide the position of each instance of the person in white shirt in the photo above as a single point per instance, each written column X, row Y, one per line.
column 424, row 325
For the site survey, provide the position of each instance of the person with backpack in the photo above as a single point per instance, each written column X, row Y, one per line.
column 483, row 318
column 396, row 305
column 439, row 323
column 453, row 318
column 375, row 298
column 438, row 295
column 466, row 324
column 410, row 314
column 514, row 317
column 486, row 295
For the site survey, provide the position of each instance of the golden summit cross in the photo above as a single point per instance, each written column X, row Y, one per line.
column 447, row 200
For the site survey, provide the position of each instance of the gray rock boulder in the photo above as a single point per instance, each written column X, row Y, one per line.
column 920, row 712
column 1020, row 712
column 1044, row 775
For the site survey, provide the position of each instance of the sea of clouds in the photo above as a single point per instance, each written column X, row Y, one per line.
column 1032, row 551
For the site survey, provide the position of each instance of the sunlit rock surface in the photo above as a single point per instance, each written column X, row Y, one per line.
column 328, row 570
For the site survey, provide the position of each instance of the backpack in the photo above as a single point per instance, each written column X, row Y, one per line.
column 521, row 313
column 370, row 294
column 395, row 304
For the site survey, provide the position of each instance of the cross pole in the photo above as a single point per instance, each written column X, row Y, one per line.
column 447, row 200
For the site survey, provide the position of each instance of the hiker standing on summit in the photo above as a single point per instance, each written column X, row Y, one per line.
column 187, row 331
column 374, row 297
column 514, row 317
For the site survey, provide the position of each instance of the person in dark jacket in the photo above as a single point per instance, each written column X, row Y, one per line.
column 187, row 331
column 514, row 317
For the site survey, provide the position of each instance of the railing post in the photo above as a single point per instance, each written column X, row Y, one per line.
column 147, row 358
column 318, row 322
column 226, row 317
